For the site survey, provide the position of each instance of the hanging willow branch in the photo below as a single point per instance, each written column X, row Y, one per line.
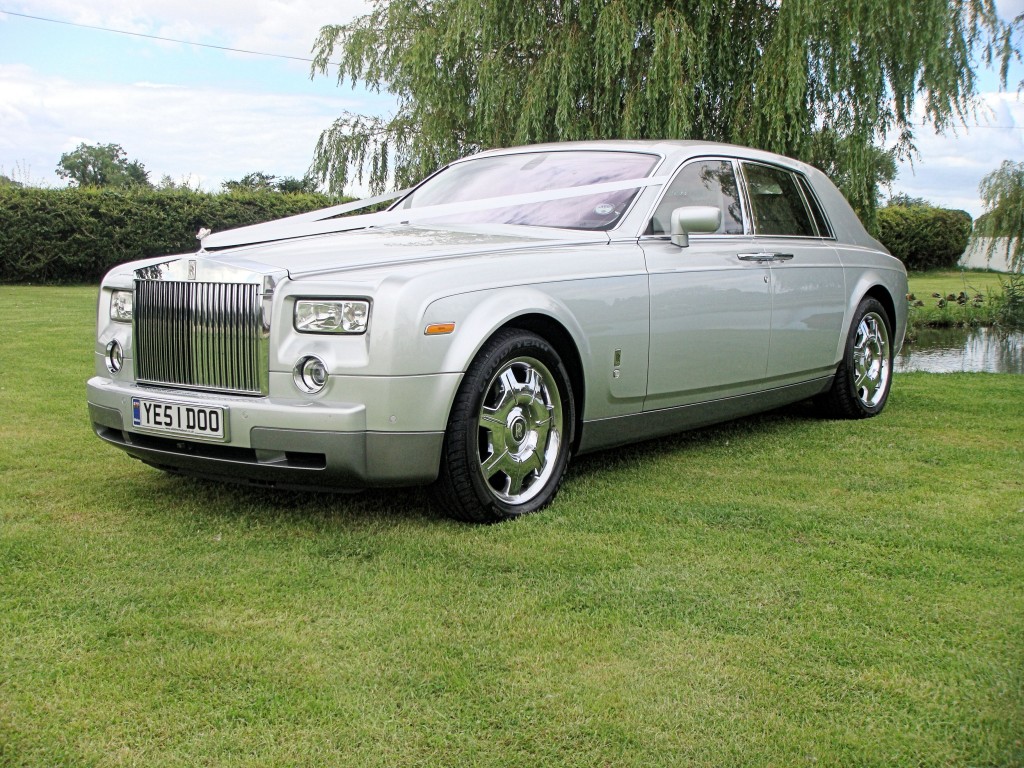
column 1003, row 194
column 823, row 80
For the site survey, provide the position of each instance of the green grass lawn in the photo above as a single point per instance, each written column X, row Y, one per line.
column 779, row 591
column 946, row 281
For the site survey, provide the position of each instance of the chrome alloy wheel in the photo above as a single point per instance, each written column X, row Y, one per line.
column 872, row 362
column 520, row 431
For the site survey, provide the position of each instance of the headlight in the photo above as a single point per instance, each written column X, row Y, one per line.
column 121, row 306
column 332, row 315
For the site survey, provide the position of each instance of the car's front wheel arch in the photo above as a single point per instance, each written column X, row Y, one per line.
column 510, row 431
column 556, row 334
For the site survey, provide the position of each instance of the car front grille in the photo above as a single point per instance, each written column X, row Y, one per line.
column 195, row 335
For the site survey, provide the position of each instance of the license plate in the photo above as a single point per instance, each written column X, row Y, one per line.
column 201, row 421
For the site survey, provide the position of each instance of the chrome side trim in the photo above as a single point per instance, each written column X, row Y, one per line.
column 619, row 430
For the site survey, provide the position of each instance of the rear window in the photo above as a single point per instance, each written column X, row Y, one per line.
column 824, row 230
column 776, row 203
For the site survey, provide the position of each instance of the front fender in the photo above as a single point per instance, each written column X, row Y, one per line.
column 612, row 354
column 480, row 314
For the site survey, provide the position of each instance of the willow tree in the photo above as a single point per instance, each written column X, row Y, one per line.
column 1002, row 191
column 828, row 81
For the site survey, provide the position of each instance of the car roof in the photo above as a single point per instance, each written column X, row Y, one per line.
column 672, row 150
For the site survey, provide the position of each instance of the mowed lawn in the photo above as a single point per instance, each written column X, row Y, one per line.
column 953, row 281
column 779, row 591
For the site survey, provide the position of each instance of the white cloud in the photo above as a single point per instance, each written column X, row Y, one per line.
column 949, row 168
column 287, row 28
column 1010, row 9
column 176, row 130
column 209, row 133
column 157, row 86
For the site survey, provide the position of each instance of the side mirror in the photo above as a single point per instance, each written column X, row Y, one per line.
column 694, row 218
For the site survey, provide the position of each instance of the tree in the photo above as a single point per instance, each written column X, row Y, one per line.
column 822, row 80
column 257, row 181
column 265, row 182
column 903, row 200
column 307, row 185
column 102, row 165
column 6, row 181
column 1002, row 192
column 186, row 182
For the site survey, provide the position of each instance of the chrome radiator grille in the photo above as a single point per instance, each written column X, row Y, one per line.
column 200, row 335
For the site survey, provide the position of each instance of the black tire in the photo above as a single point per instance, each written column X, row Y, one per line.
column 510, row 431
column 864, row 376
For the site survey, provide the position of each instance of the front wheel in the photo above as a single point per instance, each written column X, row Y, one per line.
column 864, row 377
column 509, row 433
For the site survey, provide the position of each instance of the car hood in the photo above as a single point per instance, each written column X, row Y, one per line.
column 391, row 246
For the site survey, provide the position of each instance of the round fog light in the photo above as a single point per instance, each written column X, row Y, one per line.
column 310, row 375
column 114, row 357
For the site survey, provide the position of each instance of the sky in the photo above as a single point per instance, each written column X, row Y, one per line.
column 203, row 116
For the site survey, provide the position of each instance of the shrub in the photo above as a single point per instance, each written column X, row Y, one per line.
column 76, row 235
column 1010, row 305
column 923, row 237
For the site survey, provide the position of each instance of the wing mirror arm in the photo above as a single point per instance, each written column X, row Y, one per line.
column 693, row 219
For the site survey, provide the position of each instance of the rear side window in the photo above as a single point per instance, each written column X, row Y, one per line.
column 776, row 203
column 824, row 230
column 704, row 182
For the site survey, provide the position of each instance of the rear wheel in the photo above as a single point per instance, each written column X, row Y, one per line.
column 864, row 377
column 509, row 434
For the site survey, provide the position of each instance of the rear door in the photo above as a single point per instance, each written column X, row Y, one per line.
column 808, row 290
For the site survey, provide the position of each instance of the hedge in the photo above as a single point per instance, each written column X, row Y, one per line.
column 76, row 235
column 923, row 237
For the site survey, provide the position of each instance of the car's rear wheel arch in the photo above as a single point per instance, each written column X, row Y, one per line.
column 862, row 381
column 555, row 334
column 880, row 294
column 883, row 297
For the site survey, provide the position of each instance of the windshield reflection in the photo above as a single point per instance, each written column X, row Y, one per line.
column 488, row 177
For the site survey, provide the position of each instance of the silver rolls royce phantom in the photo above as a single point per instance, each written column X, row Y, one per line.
column 515, row 308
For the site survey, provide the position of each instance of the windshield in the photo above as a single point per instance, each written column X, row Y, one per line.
column 489, row 177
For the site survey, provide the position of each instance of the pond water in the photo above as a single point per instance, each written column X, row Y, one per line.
column 951, row 350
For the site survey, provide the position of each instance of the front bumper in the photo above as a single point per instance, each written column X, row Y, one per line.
column 279, row 443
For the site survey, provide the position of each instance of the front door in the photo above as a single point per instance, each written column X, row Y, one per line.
column 711, row 305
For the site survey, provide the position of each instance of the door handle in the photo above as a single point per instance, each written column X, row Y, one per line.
column 764, row 257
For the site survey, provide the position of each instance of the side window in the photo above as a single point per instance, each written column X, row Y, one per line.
column 776, row 203
column 819, row 218
column 705, row 182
